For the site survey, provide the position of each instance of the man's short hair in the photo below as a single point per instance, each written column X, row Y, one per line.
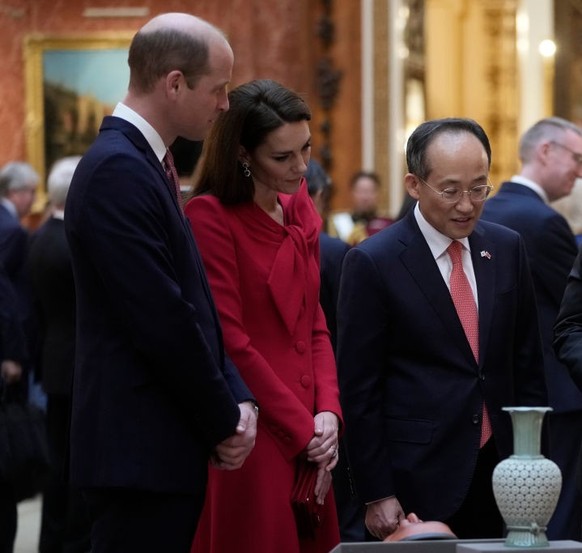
column 154, row 54
column 17, row 175
column 59, row 179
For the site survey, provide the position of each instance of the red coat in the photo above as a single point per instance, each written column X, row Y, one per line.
column 265, row 281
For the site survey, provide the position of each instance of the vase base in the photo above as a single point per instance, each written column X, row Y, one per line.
column 524, row 538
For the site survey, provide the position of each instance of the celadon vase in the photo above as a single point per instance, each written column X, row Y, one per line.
column 526, row 486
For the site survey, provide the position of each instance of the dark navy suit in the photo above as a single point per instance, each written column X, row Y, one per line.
column 332, row 251
column 14, row 312
column 551, row 249
column 14, row 284
column 349, row 510
column 64, row 522
column 152, row 391
column 411, row 390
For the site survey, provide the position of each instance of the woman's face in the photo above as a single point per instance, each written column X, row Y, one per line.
column 278, row 164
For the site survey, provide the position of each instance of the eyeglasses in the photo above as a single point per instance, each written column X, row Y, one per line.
column 478, row 193
column 575, row 155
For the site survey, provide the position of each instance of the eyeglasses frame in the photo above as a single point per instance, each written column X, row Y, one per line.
column 488, row 186
column 576, row 156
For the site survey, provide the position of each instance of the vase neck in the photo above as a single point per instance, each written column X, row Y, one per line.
column 527, row 429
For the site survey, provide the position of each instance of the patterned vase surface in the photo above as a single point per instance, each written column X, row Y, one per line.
column 526, row 486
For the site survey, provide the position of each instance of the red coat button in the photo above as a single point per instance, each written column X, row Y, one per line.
column 300, row 346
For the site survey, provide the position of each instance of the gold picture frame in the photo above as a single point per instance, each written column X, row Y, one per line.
column 70, row 83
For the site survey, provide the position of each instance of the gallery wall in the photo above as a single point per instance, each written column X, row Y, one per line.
column 275, row 39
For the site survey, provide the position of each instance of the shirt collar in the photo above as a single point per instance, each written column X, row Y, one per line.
column 532, row 186
column 11, row 208
column 437, row 241
column 151, row 135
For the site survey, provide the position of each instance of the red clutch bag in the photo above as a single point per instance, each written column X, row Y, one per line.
column 307, row 511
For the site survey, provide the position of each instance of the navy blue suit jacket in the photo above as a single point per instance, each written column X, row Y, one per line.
column 568, row 335
column 332, row 252
column 152, row 389
column 551, row 250
column 411, row 389
column 53, row 289
column 14, row 291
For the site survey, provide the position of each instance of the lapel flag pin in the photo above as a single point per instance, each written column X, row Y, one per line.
column 486, row 254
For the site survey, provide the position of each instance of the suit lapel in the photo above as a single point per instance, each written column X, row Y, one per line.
column 484, row 258
column 419, row 261
column 139, row 141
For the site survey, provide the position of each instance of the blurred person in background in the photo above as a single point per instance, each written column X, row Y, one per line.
column 65, row 526
column 18, row 184
column 364, row 220
column 550, row 152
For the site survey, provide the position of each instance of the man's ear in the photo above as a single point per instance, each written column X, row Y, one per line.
column 174, row 80
column 412, row 185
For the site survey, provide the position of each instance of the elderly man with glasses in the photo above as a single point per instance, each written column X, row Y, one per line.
column 437, row 331
column 550, row 152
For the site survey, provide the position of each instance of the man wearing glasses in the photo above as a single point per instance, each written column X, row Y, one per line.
column 551, row 160
column 438, row 330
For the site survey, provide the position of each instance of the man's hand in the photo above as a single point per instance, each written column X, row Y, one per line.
column 11, row 371
column 322, row 448
column 231, row 453
column 383, row 517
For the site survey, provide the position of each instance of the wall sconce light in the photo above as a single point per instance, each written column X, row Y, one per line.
column 547, row 48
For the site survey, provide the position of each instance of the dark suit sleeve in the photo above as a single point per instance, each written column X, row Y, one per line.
column 13, row 344
column 332, row 253
column 568, row 328
column 552, row 256
column 530, row 382
column 362, row 355
column 13, row 293
column 238, row 387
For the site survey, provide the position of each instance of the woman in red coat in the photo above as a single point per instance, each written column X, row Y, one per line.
column 257, row 231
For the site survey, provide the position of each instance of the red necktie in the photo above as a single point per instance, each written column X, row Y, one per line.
column 171, row 173
column 467, row 310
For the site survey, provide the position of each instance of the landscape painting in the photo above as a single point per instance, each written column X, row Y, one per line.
column 72, row 83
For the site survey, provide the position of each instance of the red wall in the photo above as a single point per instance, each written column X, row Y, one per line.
column 264, row 37
column 270, row 38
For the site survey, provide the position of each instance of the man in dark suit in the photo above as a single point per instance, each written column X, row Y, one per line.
column 154, row 397
column 426, row 361
column 551, row 155
column 332, row 252
column 64, row 523
column 13, row 352
column 18, row 182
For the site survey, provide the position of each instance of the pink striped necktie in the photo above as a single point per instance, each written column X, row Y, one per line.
column 172, row 174
column 467, row 310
